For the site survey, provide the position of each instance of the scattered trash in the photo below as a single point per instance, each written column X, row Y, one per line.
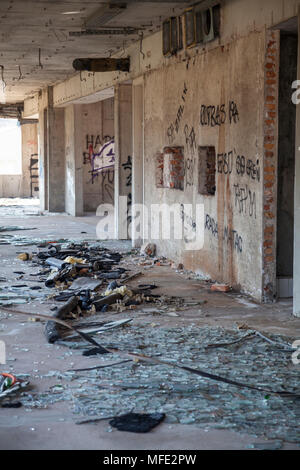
column 148, row 249
column 220, row 288
column 15, row 404
column 25, row 256
column 10, row 384
column 137, row 422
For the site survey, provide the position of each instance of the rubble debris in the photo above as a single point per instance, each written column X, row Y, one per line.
column 51, row 332
column 10, row 384
column 220, row 288
column 137, row 422
column 25, row 256
column 14, row 404
column 148, row 249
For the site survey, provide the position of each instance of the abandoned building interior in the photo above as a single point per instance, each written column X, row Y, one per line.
column 150, row 210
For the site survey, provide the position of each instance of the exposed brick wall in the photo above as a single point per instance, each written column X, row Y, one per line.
column 159, row 170
column 170, row 168
column 207, row 170
column 270, row 133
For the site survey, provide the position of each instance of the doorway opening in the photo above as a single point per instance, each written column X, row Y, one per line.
column 286, row 158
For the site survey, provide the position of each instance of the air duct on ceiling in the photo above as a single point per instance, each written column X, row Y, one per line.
column 102, row 64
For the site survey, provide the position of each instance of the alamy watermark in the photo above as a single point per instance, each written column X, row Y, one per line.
column 167, row 222
column 2, row 353
column 296, row 354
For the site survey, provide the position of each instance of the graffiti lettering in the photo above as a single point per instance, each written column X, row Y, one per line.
column 128, row 166
column 229, row 235
column 245, row 200
column 225, row 162
column 173, row 129
column 212, row 116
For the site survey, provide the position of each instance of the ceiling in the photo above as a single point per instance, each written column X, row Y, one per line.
column 37, row 49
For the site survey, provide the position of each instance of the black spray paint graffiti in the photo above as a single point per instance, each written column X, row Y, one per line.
column 174, row 126
column 245, row 200
column 229, row 235
column 34, row 173
column 189, row 163
column 227, row 161
column 212, row 116
column 107, row 183
column 249, row 167
column 128, row 167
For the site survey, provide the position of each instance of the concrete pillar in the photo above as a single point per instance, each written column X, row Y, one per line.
column 51, row 154
column 43, row 152
column 56, row 156
column 73, row 161
column 123, row 159
column 296, row 283
column 138, row 162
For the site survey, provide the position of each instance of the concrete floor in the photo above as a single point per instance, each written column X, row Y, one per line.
column 54, row 427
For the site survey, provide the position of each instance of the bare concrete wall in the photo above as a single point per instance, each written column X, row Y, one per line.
column 215, row 99
column 20, row 185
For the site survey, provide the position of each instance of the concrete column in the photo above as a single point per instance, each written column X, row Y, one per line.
column 73, row 161
column 43, row 152
column 56, row 156
column 138, row 162
column 51, row 154
column 123, row 159
column 296, row 283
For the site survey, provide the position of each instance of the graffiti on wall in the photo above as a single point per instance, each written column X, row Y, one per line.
column 127, row 167
column 173, row 128
column 100, row 155
column 212, row 116
column 189, row 163
column 229, row 235
column 245, row 200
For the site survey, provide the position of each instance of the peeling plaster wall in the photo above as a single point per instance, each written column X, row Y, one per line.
column 174, row 98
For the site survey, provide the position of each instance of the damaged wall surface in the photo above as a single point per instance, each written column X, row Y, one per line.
column 215, row 100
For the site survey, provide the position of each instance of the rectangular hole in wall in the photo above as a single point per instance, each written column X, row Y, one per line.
column 170, row 168
column 207, row 170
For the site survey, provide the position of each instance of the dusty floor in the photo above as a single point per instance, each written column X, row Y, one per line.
column 28, row 353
